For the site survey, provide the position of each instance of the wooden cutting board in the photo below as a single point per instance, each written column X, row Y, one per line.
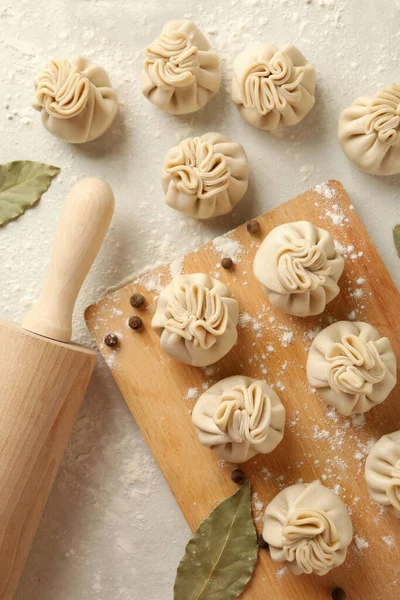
column 318, row 444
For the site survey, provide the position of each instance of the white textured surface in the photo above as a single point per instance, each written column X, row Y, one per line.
column 111, row 529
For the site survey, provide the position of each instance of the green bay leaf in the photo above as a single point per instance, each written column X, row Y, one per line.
column 396, row 238
column 22, row 183
column 221, row 556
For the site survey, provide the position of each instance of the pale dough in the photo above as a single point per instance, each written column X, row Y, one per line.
column 369, row 132
column 205, row 176
column 382, row 472
column 181, row 71
column 273, row 86
column 239, row 417
column 196, row 319
column 299, row 268
column 308, row 527
column 76, row 100
column 352, row 366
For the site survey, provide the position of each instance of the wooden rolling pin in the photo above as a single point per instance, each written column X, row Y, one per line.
column 43, row 378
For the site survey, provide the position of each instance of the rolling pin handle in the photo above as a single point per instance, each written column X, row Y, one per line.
column 83, row 224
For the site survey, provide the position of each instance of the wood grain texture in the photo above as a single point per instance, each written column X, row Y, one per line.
column 318, row 443
column 42, row 385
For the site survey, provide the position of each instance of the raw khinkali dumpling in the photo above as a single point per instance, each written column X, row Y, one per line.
column 181, row 71
column 308, row 527
column 299, row 267
column 76, row 99
column 273, row 86
column 369, row 132
column 196, row 319
column 382, row 472
column 239, row 417
column 205, row 176
column 352, row 366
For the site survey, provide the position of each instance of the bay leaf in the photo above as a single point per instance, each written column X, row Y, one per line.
column 221, row 556
column 396, row 238
column 22, row 184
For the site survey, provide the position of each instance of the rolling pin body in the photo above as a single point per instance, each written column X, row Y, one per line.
column 43, row 379
column 42, row 385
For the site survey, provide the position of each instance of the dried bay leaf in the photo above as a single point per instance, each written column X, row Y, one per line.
column 396, row 238
column 221, row 556
column 22, row 183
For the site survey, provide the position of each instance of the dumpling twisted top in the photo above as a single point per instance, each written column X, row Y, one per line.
column 384, row 117
column 173, row 59
column 308, row 527
column 239, row 417
column 196, row 319
column 299, row 267
column 197, row 314
column 302, row 265
column 198, row 169
column 352, row 366
column 382, row 472
column 181, row 71
column 311, row 540
column 369, row 132
column 205, row 176
column 270, row 85
column 76, row 99
column 244, row 414
column 273, row 86
column 62, row 90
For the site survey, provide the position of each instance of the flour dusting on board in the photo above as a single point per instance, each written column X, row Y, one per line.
column 176, row 266
column 361, row 543
column 227, row 247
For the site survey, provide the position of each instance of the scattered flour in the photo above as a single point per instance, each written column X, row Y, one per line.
column 287, row 338
column 257, row 504
column 337, row 489
column 337, row 218
column 332, row 415
column 176, row 267
column 151, row 282
column 320, row 434
column 357, row 293
column 323, row 189
column 281, row 573
column 389, row 540
column 361, row 543
column 210, row 370
column 245, row 320
column 192, row 393
column 228, row 248
column 358, row 421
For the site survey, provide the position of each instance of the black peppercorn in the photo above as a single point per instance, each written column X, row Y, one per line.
column 135, row 322
column 238, row 476
column 262, row 543
column 339, row 594
column 111, row 340
column 253, row 226
column 137, row 300
column 227, row 263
